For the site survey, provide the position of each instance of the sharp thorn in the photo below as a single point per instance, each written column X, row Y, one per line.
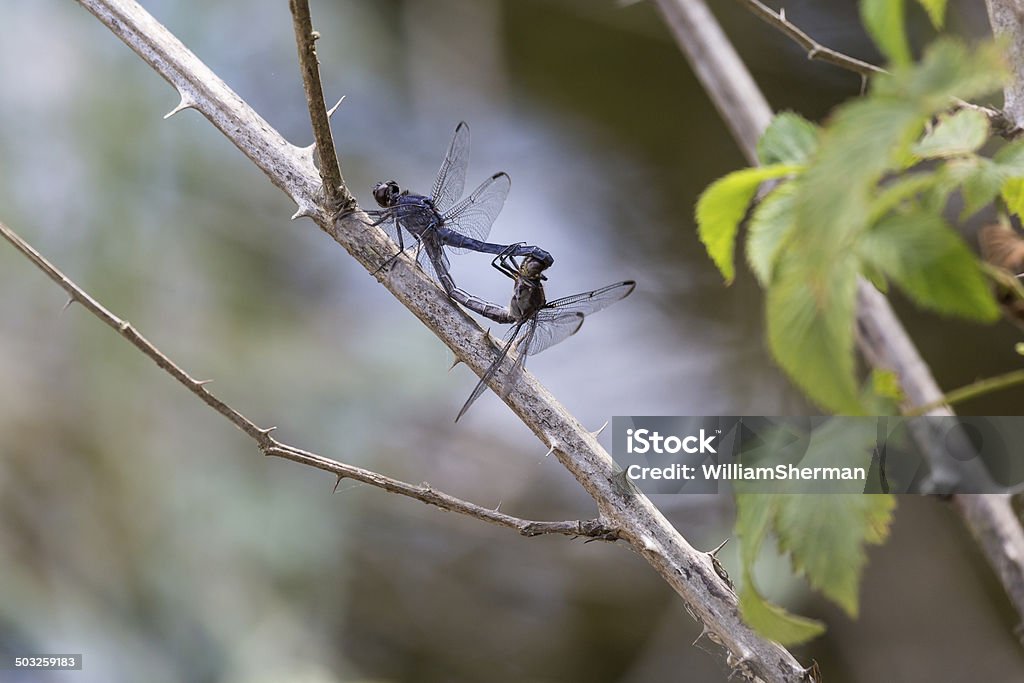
column 702, row 633
column 498, row 506
column 550, row 451
column 67, row 304
column 714, row 553
column 455, row 364
column 782, row 13
column 330, row 112
column 303, row 212
column 267, row 431
column 337, row 483
column 601, row 429
column 184, row 103
column 203, row 382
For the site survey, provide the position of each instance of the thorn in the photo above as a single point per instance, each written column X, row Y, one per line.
column 703, row 631
column 186, row 103
column 498, row 506
column 67, row 304
column 714, row 553
column 782, row 13
column 601, row 429
column 304, row 210
column 338, row 483
column 550, row 451
column 455, row 364
column 203, row 382
column 330, row 112
column 267, row 431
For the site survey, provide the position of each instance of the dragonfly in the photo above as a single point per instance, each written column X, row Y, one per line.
column 537, row 324
column 441, row 219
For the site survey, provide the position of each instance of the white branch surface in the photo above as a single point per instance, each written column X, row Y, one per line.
column 707, row 596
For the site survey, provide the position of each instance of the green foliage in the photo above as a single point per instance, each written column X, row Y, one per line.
column 722, row 207
column 936, row 10
column 884, row 21
column 861, row 202
column 823, row 534
column 958, row 134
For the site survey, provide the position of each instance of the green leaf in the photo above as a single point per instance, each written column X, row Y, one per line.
column 884, row 21
column 898, row 191
column 722, row 207
column 980, row 187
column 826, row 534
column 929, row 261
column 770, row 224
column 1011, row 158
column 810, row 311
column 773, row 621
column 789, row 139
column 936, row 10
column 1013, row 195
column 948, row 69
column 754, row 513
column 962, row 133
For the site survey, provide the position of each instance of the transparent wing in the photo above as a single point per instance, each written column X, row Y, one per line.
column 451, row 177
column 475, row 214
column 481, row 386
column 549, row 330
column 431, row 258
column 589, row 302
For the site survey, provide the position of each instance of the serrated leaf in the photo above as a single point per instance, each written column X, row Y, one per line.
column 789, row 139
column 955, row 135
column 825, row 535
column 810, row 312
column 770, row 224
column 1013, row 195
column 926, row 259
column 754, row 513
column 723, row 205
column 884, row 22
column 936, row 10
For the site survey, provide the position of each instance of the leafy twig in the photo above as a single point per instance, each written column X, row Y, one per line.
column 270, row 446
column 969, row 391
column 335, row 191
column 688, row 571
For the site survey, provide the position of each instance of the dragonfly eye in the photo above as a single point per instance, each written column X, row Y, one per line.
column 386, row 193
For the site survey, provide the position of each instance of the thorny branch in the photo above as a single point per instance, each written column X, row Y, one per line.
column 270, row 446
column 881, row 337
column 999, row 121
column 335, row 191
column 623, row 509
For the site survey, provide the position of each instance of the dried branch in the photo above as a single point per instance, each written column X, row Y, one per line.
column 998, row 120
column 335, row 192
column 623, row 509
column 815, row 50
column 882, row 339
column 270, row 446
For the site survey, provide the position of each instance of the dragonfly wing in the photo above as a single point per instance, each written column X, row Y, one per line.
column 550, row 329
column 475, row 214
column 591, row 302
column 481, row 386
column 451, row 177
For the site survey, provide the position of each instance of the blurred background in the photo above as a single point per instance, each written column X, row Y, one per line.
column 141, row 529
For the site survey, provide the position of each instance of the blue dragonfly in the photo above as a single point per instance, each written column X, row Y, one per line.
column 537, row 324
column 441, row 220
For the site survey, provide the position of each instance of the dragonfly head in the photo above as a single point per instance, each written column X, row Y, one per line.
column 387, row 193
column 533, row 269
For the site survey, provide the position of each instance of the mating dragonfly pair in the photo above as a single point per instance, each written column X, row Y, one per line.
column 441, row 221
